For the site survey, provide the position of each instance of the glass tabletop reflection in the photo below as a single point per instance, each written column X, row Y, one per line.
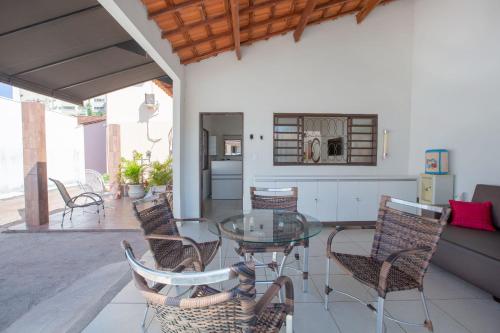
column 267, row 226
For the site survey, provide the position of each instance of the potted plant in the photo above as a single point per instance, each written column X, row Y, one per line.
column 132, row 171
column 160, row 174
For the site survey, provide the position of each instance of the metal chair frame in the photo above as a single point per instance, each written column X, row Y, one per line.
column 71, row 202
column 278, row 268
column 177, row 277
column 387, row 265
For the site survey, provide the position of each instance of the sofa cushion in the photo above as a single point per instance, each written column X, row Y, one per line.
column 473, row 215
column 483, row 242
column 489, row 193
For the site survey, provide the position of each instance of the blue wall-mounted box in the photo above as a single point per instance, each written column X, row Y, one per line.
column 436, row 161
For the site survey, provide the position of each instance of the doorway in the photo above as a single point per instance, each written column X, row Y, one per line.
column 221, row 164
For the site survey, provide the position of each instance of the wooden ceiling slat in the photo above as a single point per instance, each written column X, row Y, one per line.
column 366, row 10
column 235, row 23
column 304, row 18
column 173, row 8
column 199, row 29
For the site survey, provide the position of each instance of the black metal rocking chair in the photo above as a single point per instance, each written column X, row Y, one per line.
column 71, row 202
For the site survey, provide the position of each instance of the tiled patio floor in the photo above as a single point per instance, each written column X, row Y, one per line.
column 119, row 217
column 455, row 306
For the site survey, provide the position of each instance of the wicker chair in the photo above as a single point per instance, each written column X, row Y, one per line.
column 276, row 199
column 166, row 244
column 403, row 246
column 70, row 203
column 207, row 309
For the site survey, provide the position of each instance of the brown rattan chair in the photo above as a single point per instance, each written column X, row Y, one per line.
column 403, row 246
column 204, row 309
column 284, row 199
column 168, row 247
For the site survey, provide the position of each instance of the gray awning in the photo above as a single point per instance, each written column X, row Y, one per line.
column 71, row 50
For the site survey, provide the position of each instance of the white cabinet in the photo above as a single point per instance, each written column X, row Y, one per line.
column 308, row 194
column 357, row 201
column 344, row 199
column 327, row 201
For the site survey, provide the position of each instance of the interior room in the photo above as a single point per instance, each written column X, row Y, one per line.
column 221, row 165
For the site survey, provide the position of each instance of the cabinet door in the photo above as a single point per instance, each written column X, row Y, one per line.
column 404, row 190
column 308, row 192
column 347, row 208
column 357, row 201
column 327, row 201
column 368, row 202
column 401, row 189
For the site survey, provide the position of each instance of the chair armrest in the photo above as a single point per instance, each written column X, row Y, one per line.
column 392, row 258
column 272, row 291
column 88, row 195
column 180, row 238
column 330, row 240
column 201, row 219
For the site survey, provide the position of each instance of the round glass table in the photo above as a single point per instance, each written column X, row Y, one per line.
column 272, row 229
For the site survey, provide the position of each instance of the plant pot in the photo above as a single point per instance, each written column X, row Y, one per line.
column 135, row 191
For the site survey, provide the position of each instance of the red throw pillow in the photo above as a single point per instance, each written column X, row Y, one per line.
column 473, row 215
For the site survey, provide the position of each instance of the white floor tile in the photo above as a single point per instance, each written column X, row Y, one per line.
column 353, row 317
column 477, row 315
column 413, row 311
column 312, row 317
column 129, row 294
column 123, row 318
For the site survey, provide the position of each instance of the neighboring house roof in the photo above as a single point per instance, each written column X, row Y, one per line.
column 70, row 50
column 87, row 120
column 166, row 87
column 199, row 29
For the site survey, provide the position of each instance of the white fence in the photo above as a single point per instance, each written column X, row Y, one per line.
column 65, row 148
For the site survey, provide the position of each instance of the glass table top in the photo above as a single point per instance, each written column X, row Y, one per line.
column 267, row 226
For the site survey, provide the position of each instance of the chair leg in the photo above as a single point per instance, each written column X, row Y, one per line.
column 145, row 316
column 64, row 214
column 103, row 211
column 327, row 282
column 380, row 315
column 71, row 215
column 305, row 270
column 289, row 324
column 428, row 322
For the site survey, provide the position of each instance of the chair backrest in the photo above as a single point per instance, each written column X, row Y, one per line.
column 94, row 181
column 398, row 230
column 274, row 198
column 226, row 311
column 155, row 217
column 62, row 190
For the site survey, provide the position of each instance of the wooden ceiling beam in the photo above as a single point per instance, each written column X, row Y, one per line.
column 174, row 8
column 255, row 25
column 221, row 18
column 235, row 23
column 247, row 10
column 256, row 39
column 308, row 10
column 366, row 10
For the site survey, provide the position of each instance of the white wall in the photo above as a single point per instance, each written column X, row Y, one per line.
column 126, row 108
column 456, row 86
column 65, row 148
column 11, row 147
column 337, row 67
column 95, row 146
column 64, row 144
